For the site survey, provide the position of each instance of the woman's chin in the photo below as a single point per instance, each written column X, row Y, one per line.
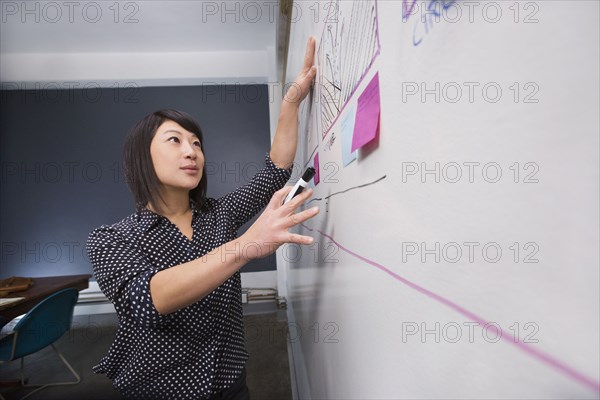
column 180, row 186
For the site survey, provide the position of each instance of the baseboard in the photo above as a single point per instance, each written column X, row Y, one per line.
column 93, row 301
column 263, row 279
column 94, row 308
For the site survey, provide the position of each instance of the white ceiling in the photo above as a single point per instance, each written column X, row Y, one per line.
column 232, row 35
column 161, row 26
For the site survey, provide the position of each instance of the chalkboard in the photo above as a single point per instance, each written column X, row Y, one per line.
column 457, row 255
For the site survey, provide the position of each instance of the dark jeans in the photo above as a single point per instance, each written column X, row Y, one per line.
column 238, row 391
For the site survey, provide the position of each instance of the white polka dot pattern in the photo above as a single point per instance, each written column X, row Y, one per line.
column 198, row 350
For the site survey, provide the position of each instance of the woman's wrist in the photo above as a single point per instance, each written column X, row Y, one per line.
column 251, row 248
column 289, row 108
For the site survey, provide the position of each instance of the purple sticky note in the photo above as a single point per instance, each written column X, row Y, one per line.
column 366, row 125
column 316, row 167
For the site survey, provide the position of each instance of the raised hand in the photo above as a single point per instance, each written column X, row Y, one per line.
column 301, row 85
column 271, row 229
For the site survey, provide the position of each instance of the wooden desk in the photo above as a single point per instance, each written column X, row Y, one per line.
column 41, row 288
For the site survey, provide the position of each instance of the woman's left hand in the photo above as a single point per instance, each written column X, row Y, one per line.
column 301, row 85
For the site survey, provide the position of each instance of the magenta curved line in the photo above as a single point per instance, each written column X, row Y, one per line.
column 406, row 9
column 547, row 359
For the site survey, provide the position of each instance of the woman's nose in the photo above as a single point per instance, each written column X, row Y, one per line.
column 189, row 151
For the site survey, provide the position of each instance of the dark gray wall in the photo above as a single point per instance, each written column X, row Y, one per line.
column 61, row 173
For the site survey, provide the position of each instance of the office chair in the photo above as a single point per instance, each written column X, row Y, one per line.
column 41, row 327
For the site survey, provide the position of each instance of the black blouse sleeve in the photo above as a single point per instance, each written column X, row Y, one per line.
column 249, row 199
column 123, row 275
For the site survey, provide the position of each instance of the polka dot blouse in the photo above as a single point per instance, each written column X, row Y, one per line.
column 198, row 350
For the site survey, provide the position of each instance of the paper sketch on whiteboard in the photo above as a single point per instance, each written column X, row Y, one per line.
column 348, row 46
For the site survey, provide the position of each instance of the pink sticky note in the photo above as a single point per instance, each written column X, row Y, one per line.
column 366, row 125
column 316, row 167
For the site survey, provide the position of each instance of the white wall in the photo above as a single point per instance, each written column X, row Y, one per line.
column 141, row 69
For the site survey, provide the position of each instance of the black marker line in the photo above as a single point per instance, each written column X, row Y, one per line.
column 347, row 190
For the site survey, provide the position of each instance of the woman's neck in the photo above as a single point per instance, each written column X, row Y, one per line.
column 173, row 205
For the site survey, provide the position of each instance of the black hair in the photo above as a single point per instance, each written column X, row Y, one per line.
column 137, row 161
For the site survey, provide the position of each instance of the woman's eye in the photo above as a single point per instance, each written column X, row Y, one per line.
column 173, row 139
column 197, row 143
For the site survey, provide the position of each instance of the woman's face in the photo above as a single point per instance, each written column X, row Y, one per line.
column 177, row 157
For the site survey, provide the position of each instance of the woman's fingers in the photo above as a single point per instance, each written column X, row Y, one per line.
column 279, row 196
column 302, row 216
column 305, row 78
column 300, row 239
column 294, row 218
column 294, row 203
column 309, row 56
column 271, row 228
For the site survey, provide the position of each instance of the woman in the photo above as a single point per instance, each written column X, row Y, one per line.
column 171, row 269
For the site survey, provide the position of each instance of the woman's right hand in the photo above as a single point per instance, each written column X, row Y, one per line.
column 271, row 229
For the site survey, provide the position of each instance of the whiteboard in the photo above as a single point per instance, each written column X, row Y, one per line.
column 457, row 256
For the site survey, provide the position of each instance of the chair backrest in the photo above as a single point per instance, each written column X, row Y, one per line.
column 45, row 323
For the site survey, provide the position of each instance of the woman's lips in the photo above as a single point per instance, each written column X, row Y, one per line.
column 191, row 170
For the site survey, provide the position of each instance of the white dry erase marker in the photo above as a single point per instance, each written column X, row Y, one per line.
column 301, row 184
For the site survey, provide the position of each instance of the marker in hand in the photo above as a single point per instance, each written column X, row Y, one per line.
column 301, row 184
